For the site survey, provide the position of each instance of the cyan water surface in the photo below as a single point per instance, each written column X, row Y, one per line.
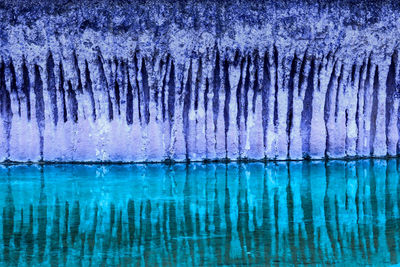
column 278, row 213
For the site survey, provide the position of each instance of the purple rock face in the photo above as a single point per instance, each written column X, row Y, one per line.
column 94, row 81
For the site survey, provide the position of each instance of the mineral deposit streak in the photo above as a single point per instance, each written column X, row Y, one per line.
column 218, row 97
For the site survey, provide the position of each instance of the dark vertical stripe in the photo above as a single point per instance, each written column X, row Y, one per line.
column 227, row 88
column 116, row 88
column 256, row 85
column 216, row 89
column 51, row 87
column 26, row 88
column 72, row 103
column 186, row 108
column 266, row 84
column 171, row 93
column 198, row 84
column 5, row 106
column 89, row 87
column 246, row 91
column 146, row 91
column 79, row 87
column 135, row 60
column 289, row 116
column 390, row 93
column 129, row 100
column 13, row 86
column 306, row 114
column 38, row 89
column 164, row 84
column 62, row 92
column 374, row 112
column 327, row 107
column 276, row 58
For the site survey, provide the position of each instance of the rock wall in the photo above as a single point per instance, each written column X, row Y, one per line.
column 195, row 80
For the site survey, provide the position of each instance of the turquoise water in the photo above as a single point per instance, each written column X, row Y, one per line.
column 201, row 214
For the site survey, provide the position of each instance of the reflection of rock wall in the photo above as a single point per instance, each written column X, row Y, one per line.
column 339, row 212
column 156, row 81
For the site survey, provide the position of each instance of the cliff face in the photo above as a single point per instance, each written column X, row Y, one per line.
column 121, row 81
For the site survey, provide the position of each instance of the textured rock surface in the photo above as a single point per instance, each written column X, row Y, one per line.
column 120, row 81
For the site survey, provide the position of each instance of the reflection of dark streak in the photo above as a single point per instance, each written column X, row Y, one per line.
column 55, row 235
column 8, row 220
column 228, row 221
column 42, row 219
column 240, row 220
column 91, row 239
column 29, row 237
column 307, row 206
column 131, row 221
column 276, row 216
column 217, row 222
column 266, row 224
column 290, row 208
column 374, row 206
column 328, row 212
column 64, row 237
column 187, row 213
column 390, row 224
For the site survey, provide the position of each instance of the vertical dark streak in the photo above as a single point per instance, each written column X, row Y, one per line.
column 62, row 91
column 186, row 108
column 146, row 91
column 276, row 58
column 129, row 101
column 239, row 94
column 227, row 88
column 158, row 91
column 51, row 87
column 306, row 114
column 374, row 112
column 116, row 88
column 171, row 93
column 72, row 103
column 164, row 83
column 301, row 73
column 38, row 89
column 256, row 85
column 390, row 93
column 197, row 84
column 367, row 84
column 216, row 89
column 340, row 80
column 5, row 107
column 328, row 105
column 289, row 118
column 13, row 86
column 266, row 84
column 358, row 110
column 79, row 88
column 246, row 91
column 135, row 60
column 353, row 73
column 26, row 88
column 89, row 87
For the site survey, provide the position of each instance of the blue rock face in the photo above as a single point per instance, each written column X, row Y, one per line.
column 154, row 81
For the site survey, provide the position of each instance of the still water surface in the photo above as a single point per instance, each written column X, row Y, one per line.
column 201, row 214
